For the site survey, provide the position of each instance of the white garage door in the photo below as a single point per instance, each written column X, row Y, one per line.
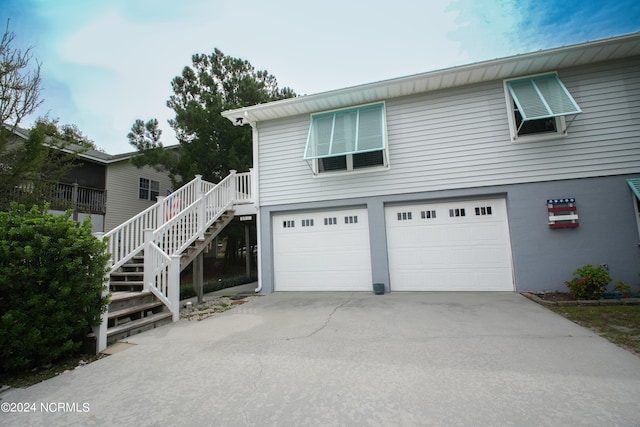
column 322, row 251
column 454, row 246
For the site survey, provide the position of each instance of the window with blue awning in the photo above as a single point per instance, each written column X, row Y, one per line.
column 634, row 183
column 541, row 97
column 344, row 132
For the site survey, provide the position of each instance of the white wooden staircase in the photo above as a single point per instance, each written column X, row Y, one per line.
column 149, row 251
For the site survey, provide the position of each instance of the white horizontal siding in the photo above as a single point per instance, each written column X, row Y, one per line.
column 460, row 138
column 123, row 180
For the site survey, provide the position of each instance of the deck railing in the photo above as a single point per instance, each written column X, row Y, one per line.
column 61, row 196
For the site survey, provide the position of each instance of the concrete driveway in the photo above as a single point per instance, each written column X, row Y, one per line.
column 293, row 359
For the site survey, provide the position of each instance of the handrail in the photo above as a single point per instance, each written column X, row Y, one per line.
column 179, row 232
column 127, row 239
column 165, row 244
column 243, row 188
column 164, row 280
column 158, row 263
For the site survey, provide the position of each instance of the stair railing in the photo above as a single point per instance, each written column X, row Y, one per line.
column 243, row 187
column 167, row 242
column 127, row 239
column 166, row 229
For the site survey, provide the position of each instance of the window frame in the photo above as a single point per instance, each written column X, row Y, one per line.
column 560, row 121
column 149, row 189
column 314, row 163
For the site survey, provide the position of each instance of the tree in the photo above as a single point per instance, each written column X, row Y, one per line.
column 209, row 144
column 146, row 138
column 49, row 150
column 45, row 155
column 19, row 97
column 19, row 82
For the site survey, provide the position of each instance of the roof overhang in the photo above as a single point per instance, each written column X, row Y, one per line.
column 86, row 154
column 519, row 65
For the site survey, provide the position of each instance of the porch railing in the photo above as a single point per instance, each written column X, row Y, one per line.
column 61, row 196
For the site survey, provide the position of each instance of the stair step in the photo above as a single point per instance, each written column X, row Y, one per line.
column 134, row 309
column 137, row 326
column 127, row 283
column 126, row 273
column 128, row 279
column 135, row 287
column 122, row 296
column 125, row 299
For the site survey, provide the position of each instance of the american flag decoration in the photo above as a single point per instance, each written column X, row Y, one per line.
column 562, row 213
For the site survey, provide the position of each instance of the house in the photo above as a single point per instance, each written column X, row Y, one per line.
column 107, row 188
column 504, row 175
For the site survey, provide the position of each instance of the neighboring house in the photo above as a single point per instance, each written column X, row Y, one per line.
column 110, row 189
column 504, row 175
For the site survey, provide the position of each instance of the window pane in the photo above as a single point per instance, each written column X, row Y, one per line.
column 144, row 189
column 319, row 137
column 370, row 129
column 155, row 190
column 534, row 126
column 344, row 133
column 332, row 163
column 371, row 158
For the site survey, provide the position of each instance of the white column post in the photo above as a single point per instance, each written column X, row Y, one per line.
column 196, row 193
column 148, row 265
column 259, row 245
column 100, row 331
column 201, row 208
column 252, row 185
column 174, row 286
column 160, row 218
column 233, row 186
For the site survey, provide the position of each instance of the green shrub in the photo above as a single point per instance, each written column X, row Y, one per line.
column 623, row 287
column 589, row 282
column 51, row 281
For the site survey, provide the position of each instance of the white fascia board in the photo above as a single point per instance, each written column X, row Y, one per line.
column 497, row 69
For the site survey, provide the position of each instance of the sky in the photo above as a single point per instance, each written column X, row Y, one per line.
column 106, row 63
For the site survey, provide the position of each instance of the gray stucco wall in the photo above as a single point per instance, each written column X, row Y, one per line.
column 543, row 258
column 608, row 233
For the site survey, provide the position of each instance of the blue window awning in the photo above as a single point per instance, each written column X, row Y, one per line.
column 634, row 183
column 541, row 97
column 349, row 131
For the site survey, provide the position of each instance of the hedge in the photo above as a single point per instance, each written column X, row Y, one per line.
column 52, row 273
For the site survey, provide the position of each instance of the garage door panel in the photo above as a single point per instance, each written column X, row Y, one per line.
column 464, row 247
column 330, row 253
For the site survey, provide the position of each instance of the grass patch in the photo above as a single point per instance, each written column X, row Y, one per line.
column 620, row 324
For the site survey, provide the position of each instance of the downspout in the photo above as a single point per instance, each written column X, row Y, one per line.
column 256, row 198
